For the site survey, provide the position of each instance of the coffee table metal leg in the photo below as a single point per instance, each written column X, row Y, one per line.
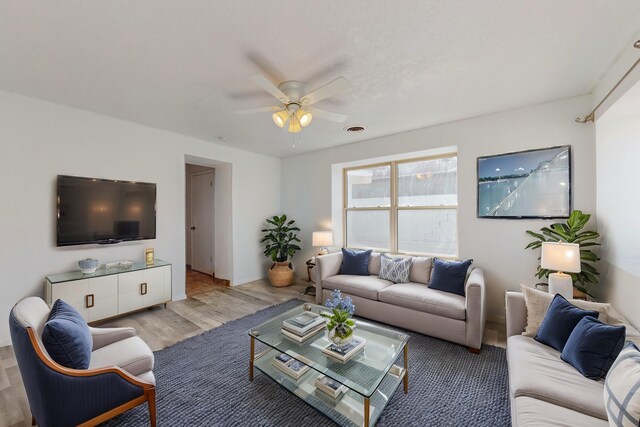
column 366, row 412
column 251, row 358
column 406, row 368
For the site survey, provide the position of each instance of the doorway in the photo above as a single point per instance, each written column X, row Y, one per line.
column 200, row 219
column 209, row 246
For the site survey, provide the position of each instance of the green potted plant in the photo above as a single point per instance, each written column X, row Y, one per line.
column 571, row 232
column 341, row 325
column 280, row 238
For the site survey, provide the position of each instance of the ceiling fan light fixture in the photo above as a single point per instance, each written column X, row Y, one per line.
column 294, row 124
column 280, row 118
column 304, row 117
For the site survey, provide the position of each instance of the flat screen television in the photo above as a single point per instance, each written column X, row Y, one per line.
column 92, row 210
column 527, row 184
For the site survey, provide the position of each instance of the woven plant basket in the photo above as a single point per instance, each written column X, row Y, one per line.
column 281, row 274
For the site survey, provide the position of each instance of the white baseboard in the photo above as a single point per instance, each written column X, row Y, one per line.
column 179, row 297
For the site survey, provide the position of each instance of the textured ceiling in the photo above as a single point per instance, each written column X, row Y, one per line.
column 183, row 66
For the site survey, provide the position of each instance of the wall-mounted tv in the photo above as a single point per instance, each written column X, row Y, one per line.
column 526, row 184
column 93, row 210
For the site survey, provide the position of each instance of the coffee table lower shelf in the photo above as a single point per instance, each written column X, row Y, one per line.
column 348, row 409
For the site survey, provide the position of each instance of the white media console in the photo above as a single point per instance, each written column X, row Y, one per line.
column 111, row 292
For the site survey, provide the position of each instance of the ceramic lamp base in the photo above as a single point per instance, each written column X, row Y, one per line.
column 561, row 283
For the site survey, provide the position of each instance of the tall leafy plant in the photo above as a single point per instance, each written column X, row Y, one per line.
column 280, row 238
column 571, row 232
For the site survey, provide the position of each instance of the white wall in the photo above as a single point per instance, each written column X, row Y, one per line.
column 617, row 153
column 39, row 140
column 496, row 245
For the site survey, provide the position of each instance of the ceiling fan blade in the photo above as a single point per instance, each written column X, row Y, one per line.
column 329, row 115
column 258, row 110
column 266, row 84
column 332, row 88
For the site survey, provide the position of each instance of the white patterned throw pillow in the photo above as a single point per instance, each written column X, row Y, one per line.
column 395, row 270
column 622, row 388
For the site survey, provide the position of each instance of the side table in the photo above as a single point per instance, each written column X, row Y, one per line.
column 310, row 290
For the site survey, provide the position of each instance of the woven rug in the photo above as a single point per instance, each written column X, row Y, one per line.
column 203, row 381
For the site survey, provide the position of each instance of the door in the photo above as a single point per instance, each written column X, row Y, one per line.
column 202, row 221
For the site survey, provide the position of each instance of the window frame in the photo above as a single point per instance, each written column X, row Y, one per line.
column 394, row 206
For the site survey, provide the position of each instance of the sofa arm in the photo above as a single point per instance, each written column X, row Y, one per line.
column 105, row 336
column 516, row 313
column 476, row 308
column 326, row 266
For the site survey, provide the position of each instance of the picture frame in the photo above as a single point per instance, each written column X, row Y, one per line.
column 149, row 256
column 530, row 184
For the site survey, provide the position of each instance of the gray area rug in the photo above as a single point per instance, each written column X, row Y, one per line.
column 203, row 381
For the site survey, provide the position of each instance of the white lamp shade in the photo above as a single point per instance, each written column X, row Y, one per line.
column 563, row 257
column 322, row 238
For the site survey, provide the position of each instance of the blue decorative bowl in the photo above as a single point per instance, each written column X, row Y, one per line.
column 88, row 265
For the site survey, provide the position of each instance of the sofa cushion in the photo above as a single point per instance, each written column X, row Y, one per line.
column 536, row 370
column 355, row 262
column 419, row 297
column 622, row 388
column 374, row 263
column 395, row 270
column 449, row 276
column 593, row 346
column 66, row 337
column 132, row 355
column 530, row 412
column 420, row 269
column 560, row 320
column 538, row 303
column 362, row 286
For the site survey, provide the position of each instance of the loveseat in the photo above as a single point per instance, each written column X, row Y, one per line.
column 412, row 305
column 543, row 389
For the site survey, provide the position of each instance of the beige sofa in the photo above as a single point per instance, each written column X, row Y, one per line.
column 411, row 305
column 544, row 390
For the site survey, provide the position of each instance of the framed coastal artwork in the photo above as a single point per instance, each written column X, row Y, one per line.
column 526, row 184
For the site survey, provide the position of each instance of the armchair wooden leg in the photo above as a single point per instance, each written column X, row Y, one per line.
column 474, row 350
column 33, row 420
column 151, row 397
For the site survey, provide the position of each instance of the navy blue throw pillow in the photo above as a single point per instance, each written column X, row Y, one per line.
column 66, row 337
column 355, row 262
column 560, row 320
column 593, row 346
column 449, row 276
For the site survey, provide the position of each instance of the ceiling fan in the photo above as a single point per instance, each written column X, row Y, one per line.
column 296, row 106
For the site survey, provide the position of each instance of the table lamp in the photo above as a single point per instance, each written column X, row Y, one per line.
column 322, row 239
column 561, row 257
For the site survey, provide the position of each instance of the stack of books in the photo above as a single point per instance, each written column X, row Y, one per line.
column 330, row 386
column 303, row 326
column 345, row 352
column 290, row 366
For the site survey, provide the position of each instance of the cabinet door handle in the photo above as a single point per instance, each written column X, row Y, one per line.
column 89, row 300
column 143, row 288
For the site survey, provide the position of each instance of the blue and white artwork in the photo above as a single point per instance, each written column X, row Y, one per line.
column 527, row 184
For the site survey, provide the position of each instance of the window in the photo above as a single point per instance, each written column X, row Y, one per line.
column 408, row 206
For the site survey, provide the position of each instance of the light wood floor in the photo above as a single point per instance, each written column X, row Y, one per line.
column 209, row 304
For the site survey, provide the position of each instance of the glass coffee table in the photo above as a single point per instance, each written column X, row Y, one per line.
column 370, row 376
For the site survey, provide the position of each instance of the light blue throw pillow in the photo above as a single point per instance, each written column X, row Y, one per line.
column 395, row 270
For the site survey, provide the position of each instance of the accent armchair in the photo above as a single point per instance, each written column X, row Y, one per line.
column 119, row 377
